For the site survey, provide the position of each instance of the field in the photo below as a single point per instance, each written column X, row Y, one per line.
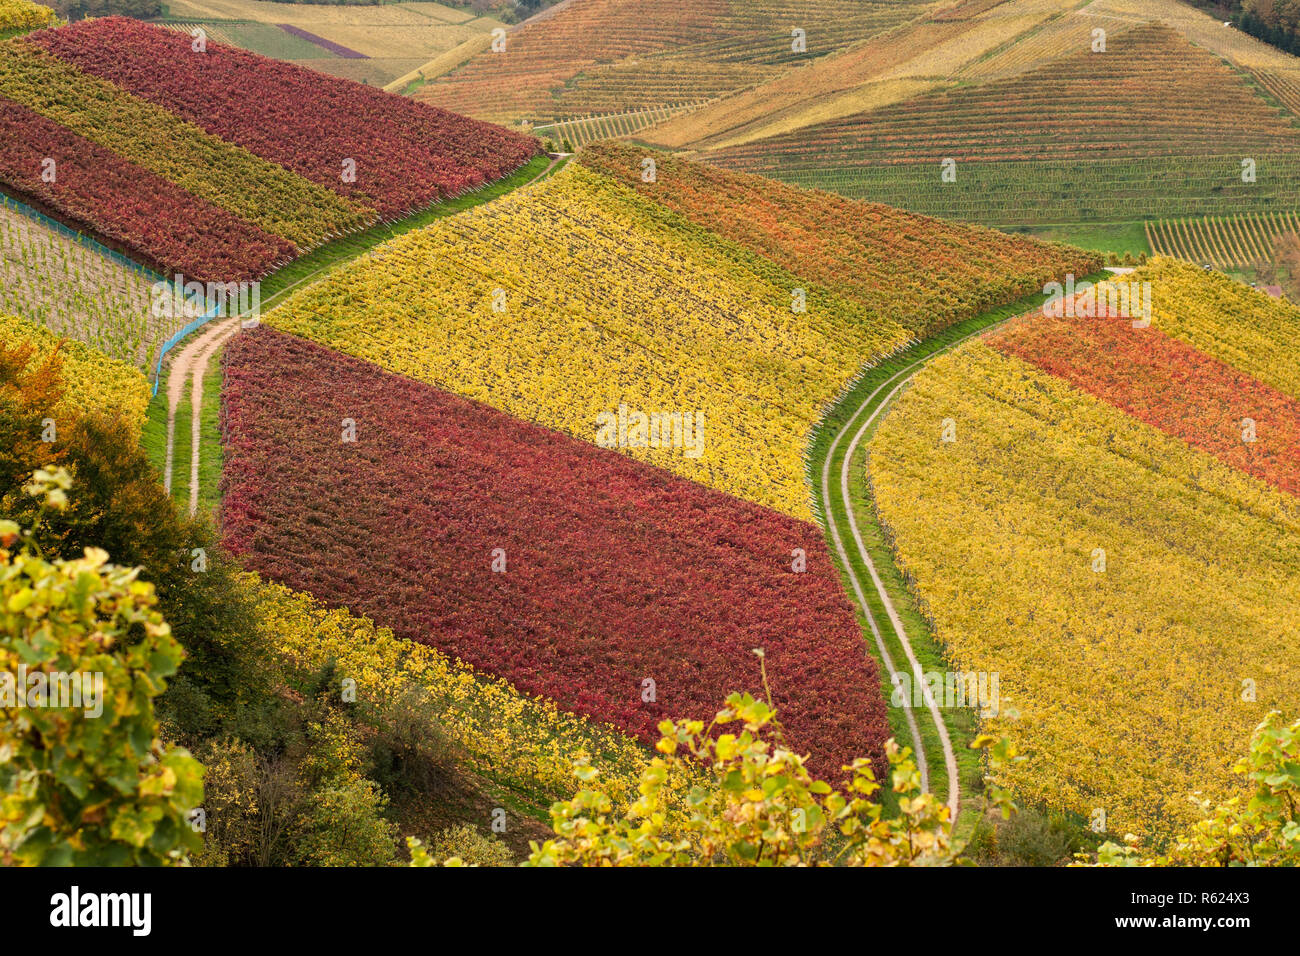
column 1225, row 242
column 579, row 132
column 926, row 274
column 76, row 290
column 371, row 44
column 1284, row 86
column 660, row 314
column 997, row 42
column 930, row 52
column 608, row 56
column 19, row 16
column 523, row 741
column 500, row 306
column 1100, row 535
column 86, row 106
column 1067, row 142
column 624, row 362
column 501, row 534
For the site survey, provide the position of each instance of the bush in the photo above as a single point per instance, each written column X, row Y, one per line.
column 118, row 504
column 462, row 844
column 85, row 778
column 1032, row 839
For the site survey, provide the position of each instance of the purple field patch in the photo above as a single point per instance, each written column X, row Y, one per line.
column 324, row 44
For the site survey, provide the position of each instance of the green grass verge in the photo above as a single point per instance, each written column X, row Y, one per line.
column 210, row 450
column 1117, row 237
column 153, row 436
column 182, row 443
column 962, row 724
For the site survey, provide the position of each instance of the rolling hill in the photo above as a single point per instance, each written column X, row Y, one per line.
column 1079, row 139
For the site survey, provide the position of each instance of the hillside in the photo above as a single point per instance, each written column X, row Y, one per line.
column 663, row 313
column 1140, row 612
column 755, row 433
column 525, row 526
column 368, row 43
column 609, row 57
column 996, row 41
column 1071, row 141
column 238, row 187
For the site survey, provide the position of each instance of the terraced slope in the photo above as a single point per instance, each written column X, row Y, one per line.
column 1091, row 136
column 609, row 56
column 984, row 42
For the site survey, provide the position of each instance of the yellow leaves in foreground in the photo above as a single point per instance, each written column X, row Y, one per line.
column 1140, row 601
column 525, row 742
column 569, row 299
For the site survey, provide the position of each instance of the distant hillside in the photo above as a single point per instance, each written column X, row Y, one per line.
column 1151, row 126
column 607, row 56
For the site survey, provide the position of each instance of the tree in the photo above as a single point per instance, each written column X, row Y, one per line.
column 83, row 655
column 118, row 505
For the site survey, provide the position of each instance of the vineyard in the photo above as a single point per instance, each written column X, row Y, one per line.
column 490, row 536
column 578, row 296
column 891, row 67
column 611, row 56
column 511, row 736
column 1139, row 613
column 19, row 16
column 367, row 43
column 240, row 188
column 76, row 290
column 102, row 384
column 925, row 273
column 589, row 129
column 1066, row 142
column 1224, row 242
column 574, row 297
column 648, row 435
column 1284, row 86
column 1046, row 192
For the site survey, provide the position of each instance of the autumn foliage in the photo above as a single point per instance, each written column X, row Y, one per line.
column 627, row 594
column 407, row 155
column 217, row 163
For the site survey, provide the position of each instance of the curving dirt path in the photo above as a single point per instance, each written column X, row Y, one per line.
column 838, row 501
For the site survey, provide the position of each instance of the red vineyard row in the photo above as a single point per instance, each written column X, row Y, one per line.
column 406, row 155
column 615, row 573
column 161, row 223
